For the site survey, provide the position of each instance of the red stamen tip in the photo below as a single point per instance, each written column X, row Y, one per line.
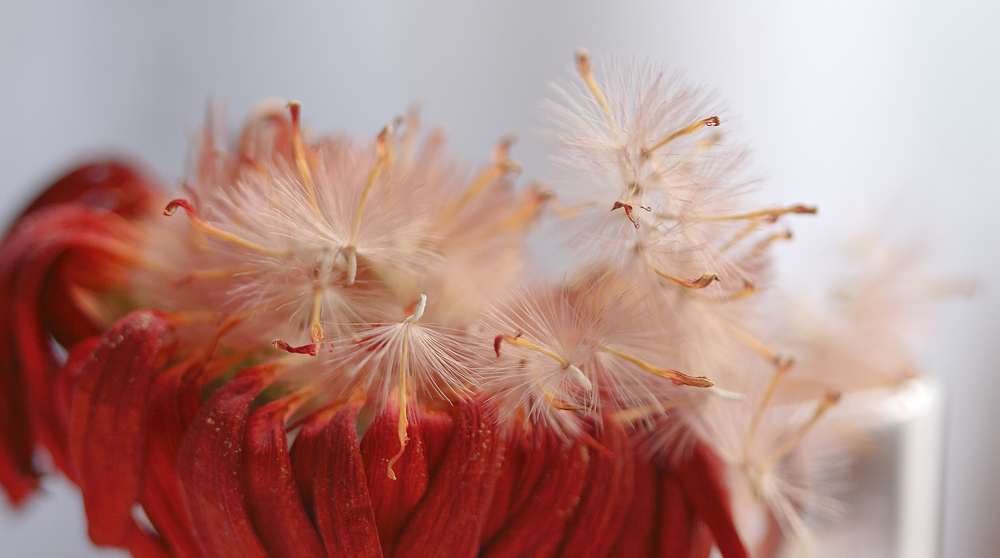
column 172, row 207
column 311, row 349
column 496, row 344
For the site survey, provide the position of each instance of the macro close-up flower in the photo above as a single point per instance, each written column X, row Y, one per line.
column 321, row 342
column 309, row 350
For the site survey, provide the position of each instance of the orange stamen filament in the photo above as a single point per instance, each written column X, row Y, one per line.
column 403, row 399
column 500, row 167
column 674, row 376
column 211, row 230
column 711, row 121
column 758, row 414
column 765, row 243
column 751, row 342
column 382, row 154
column 409, row 140
column 747, row 229
column 587, row 73
column 574, row 371
column 629, row 416
column 824, row 405
column 534, row 201
column 769, row 215
column 315, row 329
column 748, row 289
column 234, row 320
column 300, row 158
column 700, row 283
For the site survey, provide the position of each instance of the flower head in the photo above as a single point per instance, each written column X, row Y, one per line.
column 317, row 347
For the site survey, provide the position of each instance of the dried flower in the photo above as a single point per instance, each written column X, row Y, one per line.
column 326, row 352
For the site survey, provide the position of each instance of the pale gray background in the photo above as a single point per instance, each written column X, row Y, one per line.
column 872, row 110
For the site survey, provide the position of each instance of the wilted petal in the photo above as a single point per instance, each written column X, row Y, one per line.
column 330, row 469
column 275, row 506
column 520, row 447
column 606, row 497
column 106, row 428
column 702, row 541
column 172, row 406
column 32, row 257
column 539, row 513
column 702, row 476
column 210, row 467
column 143, row 544
column 65, row 383
column 637, row 537
column 394, row 500
column 109, row 185
column 449, row 520
column 17, row 471
column 675, row 519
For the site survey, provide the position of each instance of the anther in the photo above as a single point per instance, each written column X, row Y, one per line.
column 678, row 378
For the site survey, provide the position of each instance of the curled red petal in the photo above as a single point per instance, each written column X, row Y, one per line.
column 702, row 541
column 30, row 260
column 17, row 471
column 65, row 383
column 638, row 535
column 172, row 406
column 450, row 518
column 539, row 519
column 676, row 518
column 143, row 544
column 106, row 429
column 275, row 506
column 110, row 185
column 606, row 498
column 210, row 467
column 702, row 476
column 394, row 500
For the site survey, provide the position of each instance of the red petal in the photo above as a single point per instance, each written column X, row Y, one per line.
column 172, row 406
column 210, row 467
column 539, row 517
column 17, row 471
column 273, row 497
column 142, row 544
column 394, row 500
column 449, row 520
column 702, row 478
column 29, row 258
column 110, row 185
column 519, row 448
column 676, row 519
column 106, row 437
column 702, row 541
column 638, row 535
column 65, row 383
column 330, row 468
column 606, row 498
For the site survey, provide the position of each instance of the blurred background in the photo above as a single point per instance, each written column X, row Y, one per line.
column 884, row 114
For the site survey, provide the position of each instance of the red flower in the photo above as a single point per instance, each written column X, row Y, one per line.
column 197, row 437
